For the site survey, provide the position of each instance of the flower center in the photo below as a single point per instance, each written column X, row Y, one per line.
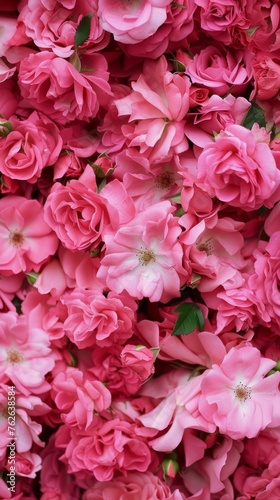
column 206, row 246
column 242, row 392
column 14, row 356
column 164, row 181
column 146, row 256
column 16, row 238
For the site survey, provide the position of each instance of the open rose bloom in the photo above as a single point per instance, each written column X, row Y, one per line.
column 139, row 250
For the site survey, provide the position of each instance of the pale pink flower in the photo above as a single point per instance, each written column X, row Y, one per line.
column 132, row 22
column 212, row 246
column 25, row 355
column 147, row 184
column 26, row 239
column 78, row 397
column 144, row 256
column 239, row 170
column 237, row 396
column 176, row 396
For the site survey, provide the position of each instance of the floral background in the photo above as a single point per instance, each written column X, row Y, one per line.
column 139, row 249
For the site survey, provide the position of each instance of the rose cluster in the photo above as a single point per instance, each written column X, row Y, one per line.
column 140, row 249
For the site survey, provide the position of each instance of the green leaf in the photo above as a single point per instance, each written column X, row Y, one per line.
column 190, row 318
column 83, row 30
column 254, row 115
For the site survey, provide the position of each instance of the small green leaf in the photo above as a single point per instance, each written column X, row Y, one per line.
column 190, row 318
column 254, row 115
column 83, row 30
column 31, row 277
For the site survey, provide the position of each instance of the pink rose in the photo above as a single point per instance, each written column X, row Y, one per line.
column 31, row 145
column 264, row 282
column 219, row 18
column 239, row 170
column 266, row 69
column 77, row 213
column 95, row 319
column 53, row 25
column 132, row 22
column 107, row 447
column 55, row 481
column 54, row 86
column 220, row 70
column 79, row 398
column 137, row 485
column 140, row 359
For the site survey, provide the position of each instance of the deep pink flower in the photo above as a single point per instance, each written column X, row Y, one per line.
column 76, row 212
column 221, row 70
column 53, row 25
column 138, row 485
column 237, row 396
column 95, row 319
column 54, row 86
column 106, row 447
column 264, row 281
column 239, row 169
column 31, row 145
column 156, row 109
column 140, row 359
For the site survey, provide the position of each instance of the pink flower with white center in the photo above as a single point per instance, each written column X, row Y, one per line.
column 144, row 257
column 25, row 356
column 237, row 396
column 26, row 240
